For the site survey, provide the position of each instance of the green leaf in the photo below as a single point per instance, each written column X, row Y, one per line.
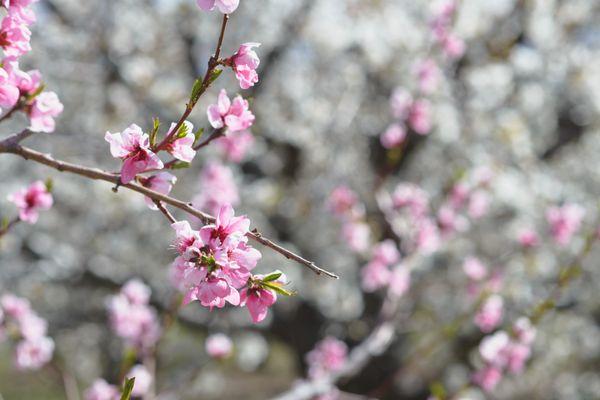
column 196, row 91
column 127, row 389
column 277, row 288
column 180, row 165
column 35, row 94
column 273, row 276
column 438, row 390
column 154, row 133
column 214, row 75
column 49, row 184
column 184, row 129
column 5, row 222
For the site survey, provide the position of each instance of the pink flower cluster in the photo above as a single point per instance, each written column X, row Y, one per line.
column 17, row 318
column 503, row 352
column 408, row 112
column 480, row 279
column 132, row 318
column 329, row 355
column 410, row 206
column 235, row 118
column 217, row 188
column 244, row 62
column 564, row 222
column 345, row 205
column 31, row 200
column 102, row 390
column 215, row 263
column 20, row 88
column 490, row 314
column 441, row 29
column 384, row 270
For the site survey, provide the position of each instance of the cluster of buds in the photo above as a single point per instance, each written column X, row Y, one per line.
column 451, row 45
column 19, row 322
column 386, row 270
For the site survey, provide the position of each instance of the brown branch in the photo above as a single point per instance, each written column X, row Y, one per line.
column 10, row 145
column 166, row 212
column 12, row 223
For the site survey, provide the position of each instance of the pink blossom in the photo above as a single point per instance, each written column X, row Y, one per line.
column 399, row 280
column 224, row 6
column 136, row 292
column 219, row 345
column 564, row 222
column 162, row 183
column 234, row 115
column 214, row 262
column 474, row 269
column 143, row 380
column 411, row 197
column 133, row 147
column 27, row 82
column 34, row 354
column 419, row 117
column 357, row 235
column 46, row 106
column 217, row 188
column 428, row 236
column 329, row 355
column 375, row 275
column 31, row 200
column 32, row 327
column 9, row 92
column 493, row 348
column 528, row 238
column 386, row 252
column 488, row 378
column 490, row 313
column 20, row 10
column 459, row 195
column 182, row 148
column 235, row 145
column 393, row 136
column 400, row 103
column 478, row 204
column 524, row 330
column 15, row 307
column 258, row 302
column 101, row 390
column 342, row 201
column 428, row 75
column 517, row 355
column 449, row 221
column 245, row 61
column 132, row 318
column 453, row 46
column 14, row 36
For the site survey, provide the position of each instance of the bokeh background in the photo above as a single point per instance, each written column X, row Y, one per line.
column 524, row 100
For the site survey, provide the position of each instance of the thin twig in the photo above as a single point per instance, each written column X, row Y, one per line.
column 166, row 212
column 12, row 223
column 213, row 62
column 10, row 145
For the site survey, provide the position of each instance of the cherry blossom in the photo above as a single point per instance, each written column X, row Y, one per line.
column 133, row 147
column 224, row 6
column 564, row 222
column 329, row 355
column 46, row 106
column 181, row 147
column 219, row 345
column 393, row 136
column 245, row 62
column 102, row 390
column 217, row 188
column 235, row 145
column 490, row 313
column 233, row 115
column 31, row 200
